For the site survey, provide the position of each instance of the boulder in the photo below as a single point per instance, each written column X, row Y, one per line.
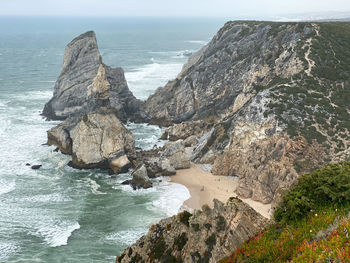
column 140, row 178
column 120, row 163
column 95, row 140
column 98, row 138
column 59, row 136
column 36, row 166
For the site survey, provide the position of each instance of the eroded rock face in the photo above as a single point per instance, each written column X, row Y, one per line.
column 185, row 130
column 279, row 110
column 206, row 236
column 97, row 139
column 240, row 57
column 86, row 84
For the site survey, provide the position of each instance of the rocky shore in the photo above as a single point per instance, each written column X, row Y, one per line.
column 254, row 104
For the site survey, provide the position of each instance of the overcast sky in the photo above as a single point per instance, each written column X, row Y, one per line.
column 213, row 8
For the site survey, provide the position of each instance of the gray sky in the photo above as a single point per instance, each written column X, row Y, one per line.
column 214, row 8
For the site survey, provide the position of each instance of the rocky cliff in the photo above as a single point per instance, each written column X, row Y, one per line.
column 278, row 95
column 85, row 84
column 206, row 236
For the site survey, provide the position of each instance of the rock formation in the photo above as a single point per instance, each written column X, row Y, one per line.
column 279, row 103
column 140, row 178
column 206, row 236
column 97, row 139
column 92, row 98
column 86, row 84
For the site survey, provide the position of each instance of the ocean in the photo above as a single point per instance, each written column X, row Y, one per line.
column 56, row 213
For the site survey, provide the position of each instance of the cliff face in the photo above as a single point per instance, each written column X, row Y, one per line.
column 85, row 83
column 279, row 95
column 205, row 236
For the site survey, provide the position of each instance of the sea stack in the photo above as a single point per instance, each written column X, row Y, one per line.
column 94, row 100
column 86, row 84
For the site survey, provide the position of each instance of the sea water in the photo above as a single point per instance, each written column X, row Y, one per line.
column 56, row 213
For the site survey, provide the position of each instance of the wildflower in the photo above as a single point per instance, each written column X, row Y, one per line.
column 315, row 214
column 310, row 230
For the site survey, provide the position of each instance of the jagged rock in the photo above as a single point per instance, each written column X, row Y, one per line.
column 191, row 141
column 185, row 130
column 226, row 68
column 85, row 84
column 140, row 178
column 59, row 136
column 97, row 139
column 166, row 169
column 177, row 154
column 279, row 103
column 120, row 163
column 206, row 236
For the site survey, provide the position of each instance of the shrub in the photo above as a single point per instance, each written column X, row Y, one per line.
column 195, row 227
column 180, row 241
column 184, row 217
column 328, row 186
column 221, row 224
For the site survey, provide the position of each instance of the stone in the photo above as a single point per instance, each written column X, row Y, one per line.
column 140, row 178
column 120, row 164
column 99, row 137
column 95, row 140
column 36, row 167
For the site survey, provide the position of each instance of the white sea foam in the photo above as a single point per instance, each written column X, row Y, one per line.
column 94, row 186
column 144, row 80
column 47, row 81
column 7, row 249
column 126, row 237
column 171, row 197
column 6, row 187
column 201, row 42
column 57, row 234
column 48, row 198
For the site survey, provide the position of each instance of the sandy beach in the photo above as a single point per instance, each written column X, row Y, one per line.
column 204, row 187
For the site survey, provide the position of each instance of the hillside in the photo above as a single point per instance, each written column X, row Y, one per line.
column 278, row 96
column 312, row 222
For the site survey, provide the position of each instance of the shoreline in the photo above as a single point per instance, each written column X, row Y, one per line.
column 204, row 187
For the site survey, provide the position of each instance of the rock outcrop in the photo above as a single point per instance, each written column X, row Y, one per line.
column 206, row 236
column 278, row 100
column 140, row 178
column 86, row 84
column 97, row 139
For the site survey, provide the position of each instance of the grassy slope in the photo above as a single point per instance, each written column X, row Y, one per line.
column 317, row 232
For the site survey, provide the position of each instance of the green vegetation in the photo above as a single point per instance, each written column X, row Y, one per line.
column 180, row 241
column 312, row 222
column 221, row 224
column 326, row 187
column 158, row 249
column 195, row 227
column 211, row 241
column 185, row 217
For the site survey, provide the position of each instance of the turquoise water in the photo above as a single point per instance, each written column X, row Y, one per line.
column 58, row 214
